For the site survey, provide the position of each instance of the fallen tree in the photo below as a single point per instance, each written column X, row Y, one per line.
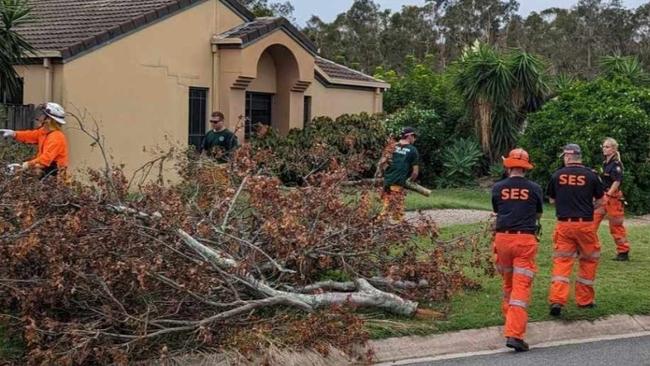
column 225, row 260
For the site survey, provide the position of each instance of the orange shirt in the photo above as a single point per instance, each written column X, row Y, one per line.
column 52, row 147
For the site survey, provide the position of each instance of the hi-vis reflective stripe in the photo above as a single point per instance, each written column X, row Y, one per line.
column 593, row 255
column 502, row 269
column 524, row 271
column 585, row 281
column 519, row 303
column 616, row 220
column 558, row 254
column 560, row 279
column 622, row 240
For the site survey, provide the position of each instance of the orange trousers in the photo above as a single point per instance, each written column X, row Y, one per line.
column 573, row 240
column 393, row 202
column 515, row 259
column 613, row 209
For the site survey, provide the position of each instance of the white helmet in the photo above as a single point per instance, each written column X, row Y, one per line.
column 55, row 112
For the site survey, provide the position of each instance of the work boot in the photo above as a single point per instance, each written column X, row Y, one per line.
column 518, row 344
column 556, row 309
column 622, row 257
column 591, row 305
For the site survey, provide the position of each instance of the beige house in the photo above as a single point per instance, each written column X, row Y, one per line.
column 149, row 72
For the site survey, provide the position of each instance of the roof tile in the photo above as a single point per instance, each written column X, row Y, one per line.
column 64, row 25
column 334, row 70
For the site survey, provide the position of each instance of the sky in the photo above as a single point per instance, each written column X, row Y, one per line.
column 329, row 9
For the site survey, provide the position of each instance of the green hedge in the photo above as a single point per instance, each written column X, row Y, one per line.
column 585, row 114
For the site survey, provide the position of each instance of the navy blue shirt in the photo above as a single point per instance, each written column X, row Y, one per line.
column 574, row 188
column 517, row 201
column 612, row 172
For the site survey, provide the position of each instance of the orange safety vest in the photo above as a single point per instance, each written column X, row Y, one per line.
column 52, row 147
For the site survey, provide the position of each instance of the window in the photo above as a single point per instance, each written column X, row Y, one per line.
column 15, row 98
column 258, row 110
column 198, row 112
column 307, row 114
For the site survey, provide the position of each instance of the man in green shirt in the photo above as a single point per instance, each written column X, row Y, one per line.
column 219, row 142
column 404, row 165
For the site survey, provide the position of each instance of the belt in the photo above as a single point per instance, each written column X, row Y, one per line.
column 530, row 232
column 575, row 219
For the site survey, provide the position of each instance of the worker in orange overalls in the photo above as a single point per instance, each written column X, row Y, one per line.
column 573, row 189
column 612, row 205
column 52, row 155
column 518, row 205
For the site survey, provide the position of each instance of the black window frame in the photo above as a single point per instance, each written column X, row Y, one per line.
column 266, row 118
column 306, row 119
column 197, row 115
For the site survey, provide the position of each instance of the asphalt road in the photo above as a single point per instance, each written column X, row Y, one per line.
column 618, row 352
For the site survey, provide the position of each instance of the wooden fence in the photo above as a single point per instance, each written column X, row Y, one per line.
column 17, row 117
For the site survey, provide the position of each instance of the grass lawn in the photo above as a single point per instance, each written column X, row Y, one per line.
column 475, row 199
column 621, row 288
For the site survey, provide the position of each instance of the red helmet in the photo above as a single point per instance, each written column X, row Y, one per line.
column 517, row 158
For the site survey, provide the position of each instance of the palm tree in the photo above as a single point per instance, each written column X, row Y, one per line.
column 499, row 91
column 13, row 47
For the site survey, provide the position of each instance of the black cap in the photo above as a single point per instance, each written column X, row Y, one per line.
column 408, row 131
column 571, row 149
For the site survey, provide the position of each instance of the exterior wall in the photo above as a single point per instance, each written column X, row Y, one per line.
column 137, row 88
column 37, row 88
column 333, row 102
column 33, row 83
column 266, row 81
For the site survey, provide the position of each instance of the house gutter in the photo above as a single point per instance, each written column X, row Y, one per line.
column 47, row 64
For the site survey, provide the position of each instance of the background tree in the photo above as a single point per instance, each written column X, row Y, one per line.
column 262, row 8
column 462, row 22
column 572, row 40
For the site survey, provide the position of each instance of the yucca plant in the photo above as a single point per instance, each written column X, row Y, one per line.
column 499, row 90
column 562, row 82
column 485, row 82
column 460, row 160
column 13, row 47
column 530, row 88
column 627, row 67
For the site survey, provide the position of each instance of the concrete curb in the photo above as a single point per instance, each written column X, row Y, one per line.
column 396, row 351
column 390, row 351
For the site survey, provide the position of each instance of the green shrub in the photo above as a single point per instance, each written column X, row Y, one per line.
column 496, row 170
column 431, row 137
column 460, row 161
column 585, row 114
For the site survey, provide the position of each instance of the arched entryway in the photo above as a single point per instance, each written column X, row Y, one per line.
column 265, row 81
column 275, row 97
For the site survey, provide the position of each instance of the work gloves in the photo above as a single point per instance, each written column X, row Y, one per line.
column 7, row 133
column 15, row 167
